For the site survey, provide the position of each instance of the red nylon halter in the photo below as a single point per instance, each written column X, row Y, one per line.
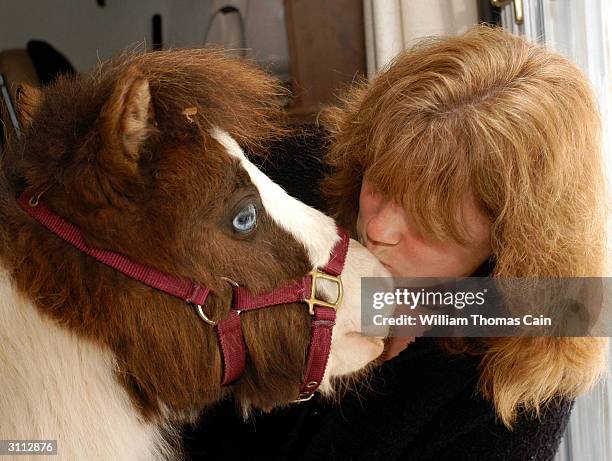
column 229, row 330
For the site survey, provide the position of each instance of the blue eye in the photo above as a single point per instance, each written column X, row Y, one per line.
column 246, row 219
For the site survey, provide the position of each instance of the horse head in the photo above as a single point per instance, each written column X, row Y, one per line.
column 146, row 158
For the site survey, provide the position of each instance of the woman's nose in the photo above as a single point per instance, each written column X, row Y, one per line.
column 387, row 225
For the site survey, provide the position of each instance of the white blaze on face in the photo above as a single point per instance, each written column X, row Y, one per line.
column 312, row 228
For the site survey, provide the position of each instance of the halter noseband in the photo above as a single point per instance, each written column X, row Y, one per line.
column 229, row 330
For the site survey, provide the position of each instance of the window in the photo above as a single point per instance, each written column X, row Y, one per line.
column 580, row 30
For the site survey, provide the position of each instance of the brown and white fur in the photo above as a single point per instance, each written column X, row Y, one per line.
column 105, row 365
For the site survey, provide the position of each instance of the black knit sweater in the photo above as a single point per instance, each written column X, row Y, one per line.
column 421, row 405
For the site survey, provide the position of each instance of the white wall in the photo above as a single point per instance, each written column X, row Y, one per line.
column 85, row 32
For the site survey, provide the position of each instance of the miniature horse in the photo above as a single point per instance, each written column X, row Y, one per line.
column 144, row 159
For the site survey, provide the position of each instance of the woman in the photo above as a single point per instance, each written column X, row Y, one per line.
column 470, row 155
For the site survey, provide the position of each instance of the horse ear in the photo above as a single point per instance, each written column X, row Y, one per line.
column 126, row 115
column 28, row 100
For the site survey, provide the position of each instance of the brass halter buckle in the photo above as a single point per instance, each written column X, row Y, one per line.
column 313, row 301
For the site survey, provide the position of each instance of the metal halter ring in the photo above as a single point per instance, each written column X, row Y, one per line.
column 313, row 301
column 200, row 310
column 34, row 200
column 204, row 316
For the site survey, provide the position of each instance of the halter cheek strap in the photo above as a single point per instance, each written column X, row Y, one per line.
column 229, row 330
column 323, row 315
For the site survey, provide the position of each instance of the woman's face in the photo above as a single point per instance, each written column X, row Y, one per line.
column 386, row 230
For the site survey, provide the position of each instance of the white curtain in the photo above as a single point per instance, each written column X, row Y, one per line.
column 582, row 31
column 393, row 25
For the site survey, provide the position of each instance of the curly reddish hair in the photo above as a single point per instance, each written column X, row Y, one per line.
column 491, row 116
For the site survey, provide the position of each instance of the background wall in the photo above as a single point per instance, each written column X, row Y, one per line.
column 85, row 32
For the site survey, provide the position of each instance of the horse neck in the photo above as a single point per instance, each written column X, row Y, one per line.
column 164, row 358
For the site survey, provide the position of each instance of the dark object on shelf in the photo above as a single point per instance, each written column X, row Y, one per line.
column 48, row 62
column 157, row 32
